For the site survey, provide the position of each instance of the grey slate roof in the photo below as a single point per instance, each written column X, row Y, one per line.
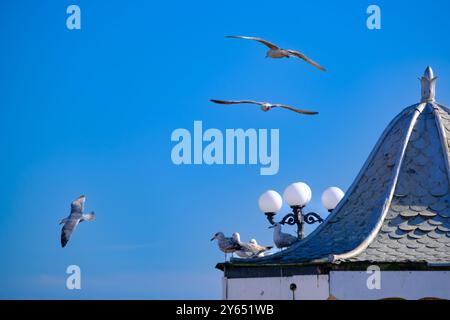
column 398, row 207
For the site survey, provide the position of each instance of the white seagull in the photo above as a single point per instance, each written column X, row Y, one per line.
column 251, row 249
column 265, row 106
column 281, row 239
column 262, row 249
column 277, row 52
column 76, row 216
column 226, row 244
column 245, row 252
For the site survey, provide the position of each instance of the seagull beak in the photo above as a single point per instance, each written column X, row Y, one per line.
column 272, row 226
column 213, row 238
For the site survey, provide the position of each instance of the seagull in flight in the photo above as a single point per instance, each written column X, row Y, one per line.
column 76, row 216
column 277, row 52
column 265, row 106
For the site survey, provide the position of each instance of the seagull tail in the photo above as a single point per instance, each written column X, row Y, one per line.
column 89, row 216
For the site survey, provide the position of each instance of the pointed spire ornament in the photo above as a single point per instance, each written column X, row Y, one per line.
column 428, row 81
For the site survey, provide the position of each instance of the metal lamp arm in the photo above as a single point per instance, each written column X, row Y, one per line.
column 296, row 217
column 312, row 217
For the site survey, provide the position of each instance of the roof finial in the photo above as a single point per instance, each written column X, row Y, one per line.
column 428, row 85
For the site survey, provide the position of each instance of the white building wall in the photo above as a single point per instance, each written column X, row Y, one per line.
column 309, row 287
column 411, row 285
column 341, row 285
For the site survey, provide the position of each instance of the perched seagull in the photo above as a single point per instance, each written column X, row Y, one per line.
column 251, row 249
column 281, row 239
column 265, row 106
column 226, row 245
column 259, row 248
column 76, row 216
column 277, row 52
column 246, row 251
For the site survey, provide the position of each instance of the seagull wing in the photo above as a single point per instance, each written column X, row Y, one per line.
column 258, row 248
column 307, row 112
column 247, row 247
column 235, row 245
column 302, row 56
column 263, row 248
column 235, row 101
column 77, row 206
column 265, row 42
column 67, row 230
column 291, row 238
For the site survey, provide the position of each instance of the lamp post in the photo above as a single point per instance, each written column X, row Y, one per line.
column 297, row 196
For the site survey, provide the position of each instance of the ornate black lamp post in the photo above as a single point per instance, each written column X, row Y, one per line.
column 297, row 195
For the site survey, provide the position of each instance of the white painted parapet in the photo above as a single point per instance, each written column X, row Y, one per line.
column 341, row 285
column 308, row 287
column 410, row 285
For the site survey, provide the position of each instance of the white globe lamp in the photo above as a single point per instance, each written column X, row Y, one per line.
column 331, row 197
column 297, row 194
column 270, row 202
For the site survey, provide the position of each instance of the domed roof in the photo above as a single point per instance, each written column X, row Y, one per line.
column 398, row 207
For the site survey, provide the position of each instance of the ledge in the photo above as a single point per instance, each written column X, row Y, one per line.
column 233, row 270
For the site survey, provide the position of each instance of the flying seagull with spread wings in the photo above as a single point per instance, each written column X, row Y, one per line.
column 76, row 216
column 277, row 52
column 265, row 106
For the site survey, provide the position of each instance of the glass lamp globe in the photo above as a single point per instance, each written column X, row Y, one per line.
column 270, row 202
column 297, row 194
column 331, row 197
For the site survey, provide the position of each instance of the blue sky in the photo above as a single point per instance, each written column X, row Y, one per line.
column 91, row 112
